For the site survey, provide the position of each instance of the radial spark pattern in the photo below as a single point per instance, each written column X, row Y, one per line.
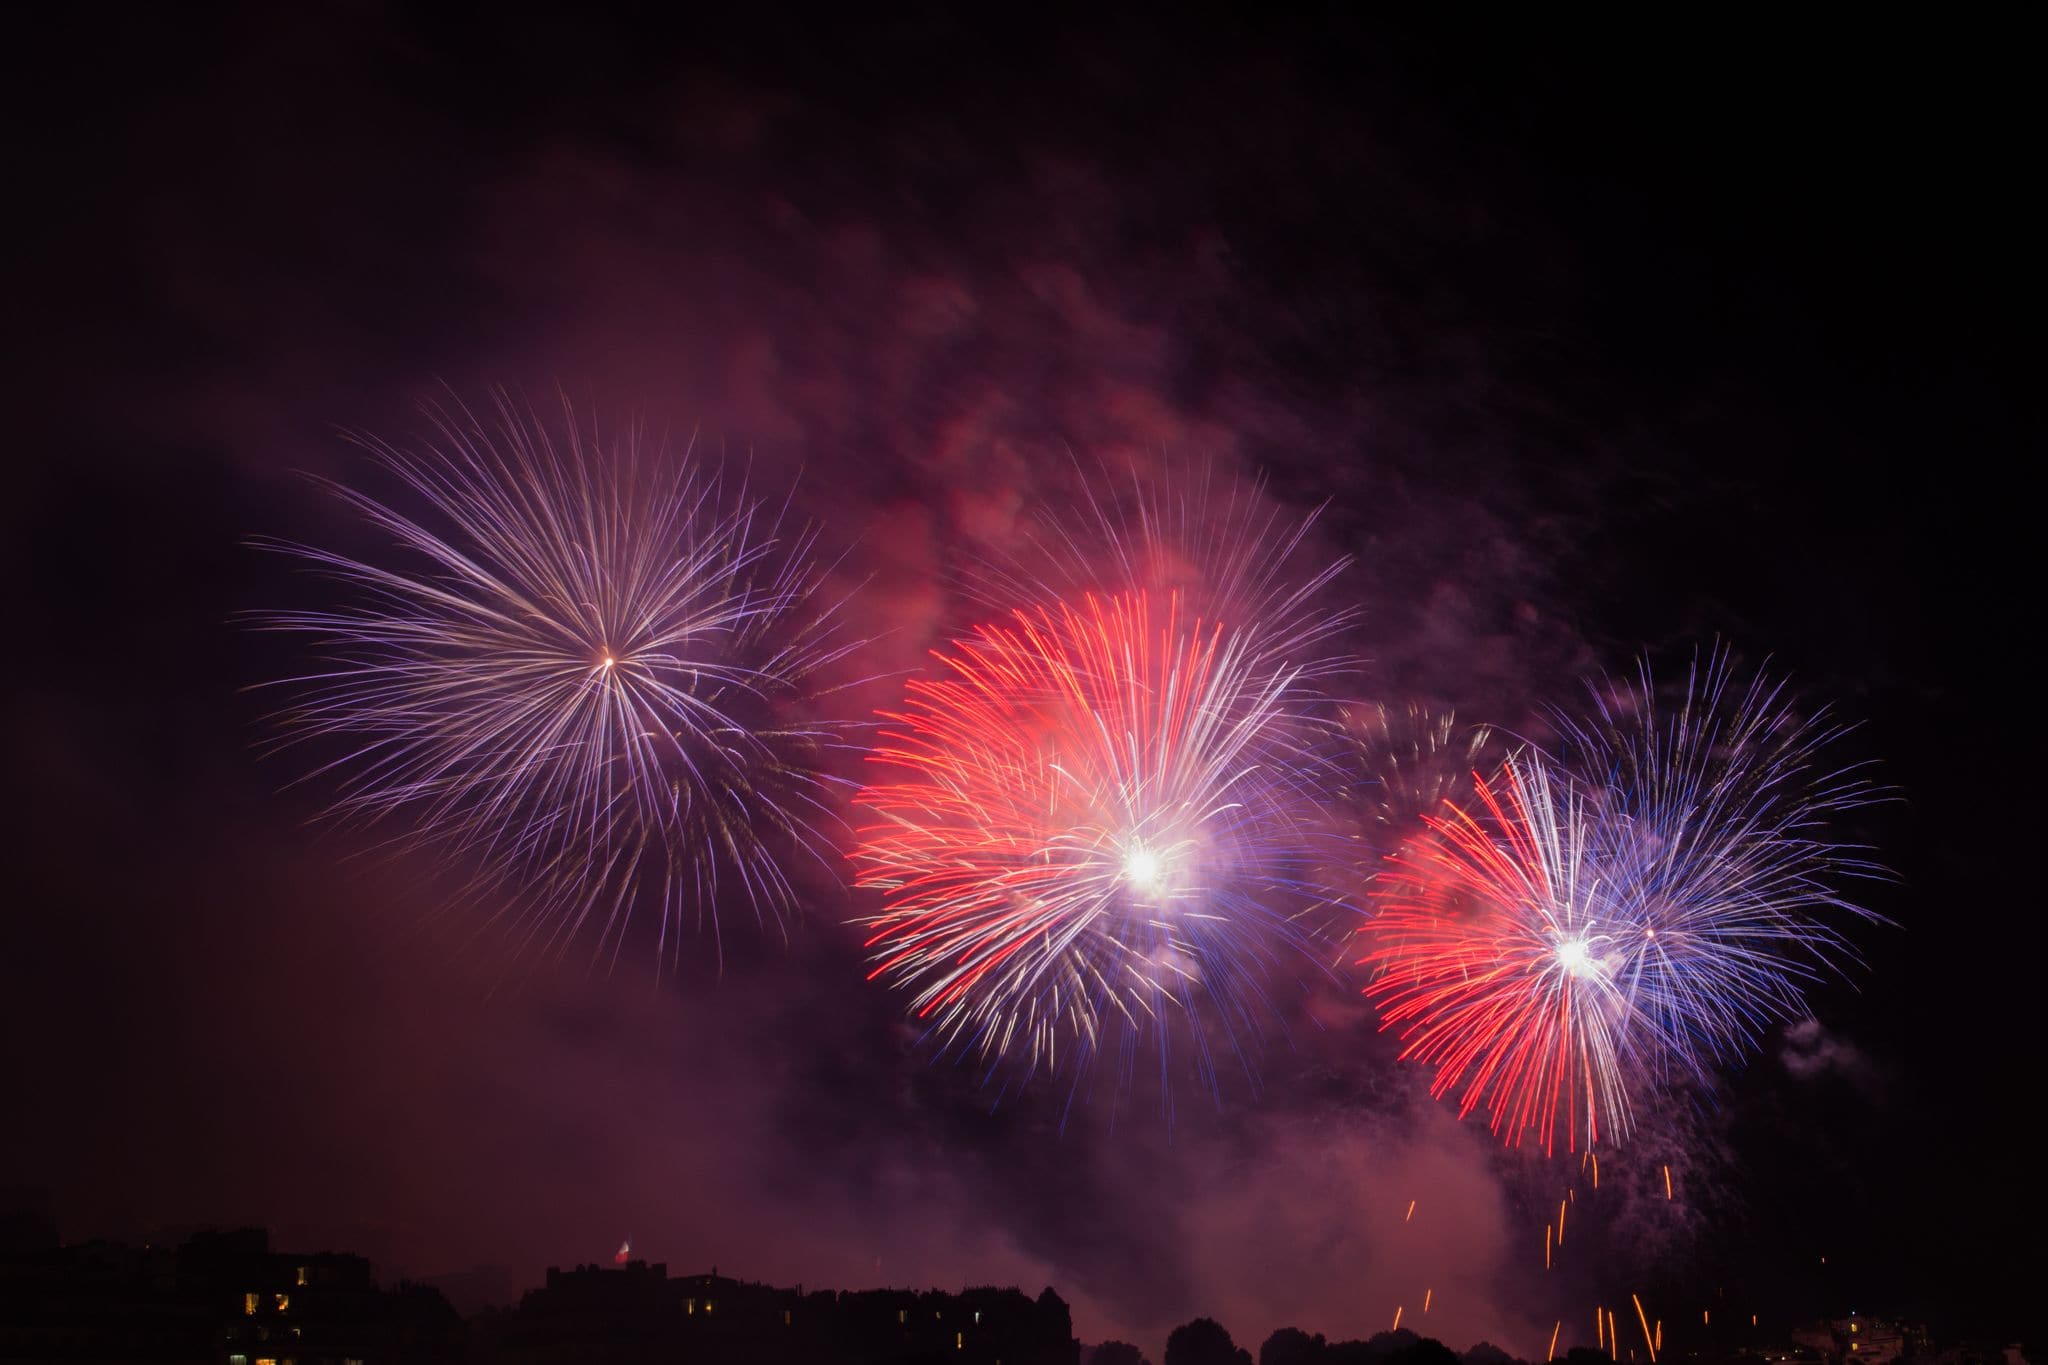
column 1583, row 935
column 1086, row 828
column 567, row 671
column 1490, row 955
column 1715, row 820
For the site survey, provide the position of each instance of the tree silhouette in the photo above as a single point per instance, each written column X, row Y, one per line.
column 1204, row 1342
column 1425, row 1351
column 1400, row 1347
column 1117, row 1353
column 1486, row 1353
column 1292, row 1346
column 1053, row 1311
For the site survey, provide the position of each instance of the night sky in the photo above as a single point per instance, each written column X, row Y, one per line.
column 1593, row 340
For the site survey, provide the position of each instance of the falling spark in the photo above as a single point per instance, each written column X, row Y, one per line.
column 1560, row 1222
column 1643, row 1318
column 1425, row 1299
column 1658, row 1345
column 1411, row 1211
column 1397, row 1319
column 1599, row 1328
column 1667, row 1182
column 1551, row 1354
column 1546, row 1246
column 1596, row 1169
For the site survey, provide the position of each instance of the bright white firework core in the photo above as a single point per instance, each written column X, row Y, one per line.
column 1142, row 868
column 1573, row 957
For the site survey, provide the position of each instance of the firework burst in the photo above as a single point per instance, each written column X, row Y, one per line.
column 1091, row 831
column 1490, row 956
column 569, row 676
column 1713, row 820
column 1584, row 934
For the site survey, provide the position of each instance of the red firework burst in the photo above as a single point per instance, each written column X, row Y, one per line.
column 1090, row 830
column 1490, row 960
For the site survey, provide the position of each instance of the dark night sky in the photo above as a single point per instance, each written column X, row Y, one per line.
column 1594, row 340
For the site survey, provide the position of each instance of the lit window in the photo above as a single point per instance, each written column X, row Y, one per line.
column 238, row 1359
column 785, row 1317
column 977, row 1315
column 249, row 1304
column 709, row 1305
column 959, row 1341
column 303, row 1281
column 265, row 1360
column 902, row 1315
column 284, row 1302
column 689, row 1305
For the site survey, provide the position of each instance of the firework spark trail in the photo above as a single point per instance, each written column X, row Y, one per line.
column 1094, row 830
column 1227, row 552
column 567, row 677
column 1411, row 761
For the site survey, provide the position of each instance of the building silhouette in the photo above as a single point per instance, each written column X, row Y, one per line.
column 638, row 1313
column 220, row 1297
